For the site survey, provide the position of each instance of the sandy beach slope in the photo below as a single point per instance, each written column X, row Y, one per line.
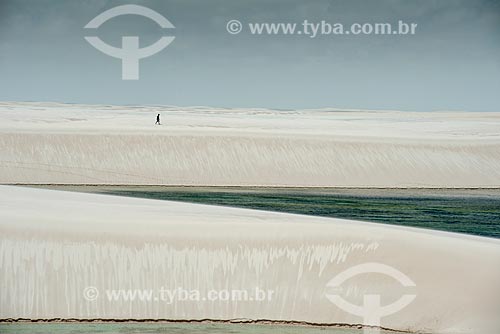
column 55, row 244
column 86, row 144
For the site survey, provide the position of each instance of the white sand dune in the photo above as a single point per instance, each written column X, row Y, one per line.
column 61, row 143
column 54, row 244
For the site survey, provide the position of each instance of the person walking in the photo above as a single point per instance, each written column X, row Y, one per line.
column 158, row 119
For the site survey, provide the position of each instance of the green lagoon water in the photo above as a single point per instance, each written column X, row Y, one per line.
column 471, row 211
column 170, row 328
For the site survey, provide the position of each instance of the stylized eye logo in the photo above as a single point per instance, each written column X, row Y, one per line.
column 371, row 310
column 129, row 53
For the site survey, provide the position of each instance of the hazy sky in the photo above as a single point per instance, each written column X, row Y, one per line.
column 452, row 63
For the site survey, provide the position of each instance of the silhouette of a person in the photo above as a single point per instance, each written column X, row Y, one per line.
column 158, row 119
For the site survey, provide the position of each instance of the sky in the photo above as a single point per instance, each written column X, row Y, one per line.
column 451, row 63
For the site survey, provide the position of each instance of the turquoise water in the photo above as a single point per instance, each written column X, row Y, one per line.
column 471, row 211
column 170, row 328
